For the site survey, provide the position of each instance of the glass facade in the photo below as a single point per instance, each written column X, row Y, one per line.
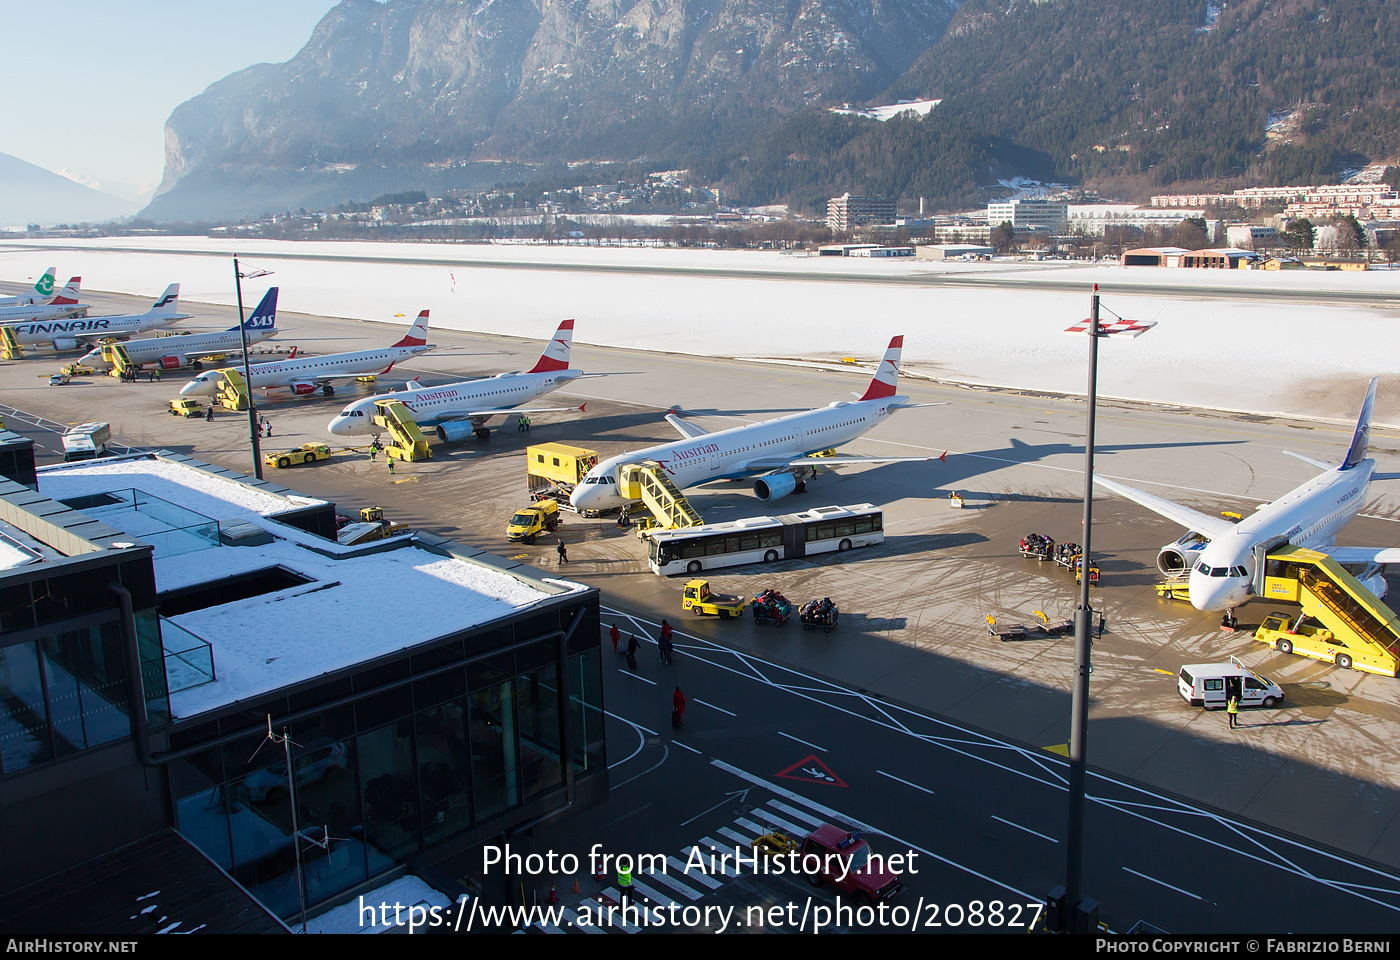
column 394, row 773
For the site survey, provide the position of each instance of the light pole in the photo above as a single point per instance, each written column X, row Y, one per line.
column 1076, row 910
column 254, row 431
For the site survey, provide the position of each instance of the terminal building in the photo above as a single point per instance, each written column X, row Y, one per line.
column 160, row 616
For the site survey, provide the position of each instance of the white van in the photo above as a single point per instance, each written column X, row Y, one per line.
column 1210, row 684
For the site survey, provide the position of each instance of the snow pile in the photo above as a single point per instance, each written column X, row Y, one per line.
column 213, row 496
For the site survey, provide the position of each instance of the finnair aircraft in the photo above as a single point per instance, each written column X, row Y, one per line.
column 42, row 292
column 64, row 304
column 172, row 353
column 68, row 334
column 458, row 410
column 304, row 375
column 778, row 451
column 1223, row 556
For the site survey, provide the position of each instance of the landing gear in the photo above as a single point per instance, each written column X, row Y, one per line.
column 801, row 487
column 1228, row 621
column 482, row 433
column 328, row 390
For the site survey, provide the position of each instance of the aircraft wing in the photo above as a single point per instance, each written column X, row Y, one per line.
column 763, row 464
column 688, row 430
column 1202, row 523
column 1362, row 554
column 475, row 414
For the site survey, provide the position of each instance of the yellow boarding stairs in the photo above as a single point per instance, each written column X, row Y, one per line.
column 9, row 345
column 116, row 355
column 1358, row 630
column 647, row 482
column 233, row 391
column 408, row 441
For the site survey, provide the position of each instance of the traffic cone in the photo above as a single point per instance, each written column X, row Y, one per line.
column 576, row 889
column 599, row 875
column 553, row 894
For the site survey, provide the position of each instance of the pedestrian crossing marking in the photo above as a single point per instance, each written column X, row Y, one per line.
column 665, row 878
column 703, row 879
column 792, row 811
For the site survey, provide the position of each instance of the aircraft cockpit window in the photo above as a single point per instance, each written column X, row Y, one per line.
column 1238, row 572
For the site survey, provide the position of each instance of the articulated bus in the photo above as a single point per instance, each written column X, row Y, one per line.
column 764, row 539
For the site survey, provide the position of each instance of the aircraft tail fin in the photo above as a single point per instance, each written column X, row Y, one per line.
column 264, row 316
column 417, row 335
column 556, row 355
column 43, row 290
column 886, row 378
column 1362, row 438
column 69, row 293
column 168, row 304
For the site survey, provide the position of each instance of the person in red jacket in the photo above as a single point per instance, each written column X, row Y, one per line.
column 678, row 706
column 615, row 635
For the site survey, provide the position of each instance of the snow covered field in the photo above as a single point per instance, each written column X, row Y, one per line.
column 1267, row 356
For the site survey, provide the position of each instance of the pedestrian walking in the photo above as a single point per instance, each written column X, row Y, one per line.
column 527, row 424
column 664, row 646
column 390, row 461
column 615, row 635
column 563, row 553
column 209, row 414
column 372, row 452
column 632, row 651
column 1100, row 626
column 520, row 423
column 677, row 708
column 268, row 425
column 1233, row 709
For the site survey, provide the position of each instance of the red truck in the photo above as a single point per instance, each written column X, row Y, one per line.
column 847, row 863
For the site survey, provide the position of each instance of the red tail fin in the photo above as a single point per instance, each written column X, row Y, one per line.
column 69, row 293
column 886, row 377
column 556, row 355
column 417, row 334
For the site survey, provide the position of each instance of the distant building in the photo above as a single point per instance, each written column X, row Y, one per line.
column 1224, row 258
column 1251, row 236
column 953, row 251
column 1029, row 215
column 846, row 213
column 882, row 253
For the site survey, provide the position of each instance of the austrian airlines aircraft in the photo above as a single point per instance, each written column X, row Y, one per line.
column 172, row 353
column 777, row 450
column 64, row 304
column 305, row 375
column 458, row 410
column 68, row 334
column 1223, row 556
column 42, row 292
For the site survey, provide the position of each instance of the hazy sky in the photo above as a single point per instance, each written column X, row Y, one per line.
column 88, row 84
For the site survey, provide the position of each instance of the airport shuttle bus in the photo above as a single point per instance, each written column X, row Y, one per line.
column 764, row 539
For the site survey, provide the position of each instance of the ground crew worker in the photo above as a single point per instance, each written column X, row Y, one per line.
column 527, row 424
column 624, row 883
column 520, row 423
column 563, row 553
column 209, row 414
column 1233, row 708
column 391, row 465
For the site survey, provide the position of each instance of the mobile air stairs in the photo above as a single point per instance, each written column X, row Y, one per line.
column 647, row 482
column 116, row 355
column 1356, row 629
column 9, row 345
column 233, row 390
column 408, row 444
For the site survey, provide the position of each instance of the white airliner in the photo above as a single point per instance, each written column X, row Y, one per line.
column 68, row 334
column 172, row 353
column 458, row 410
column 63, row 304
column 777, row 450
column 43, row 292
column 1223, row 556
column 304, row 375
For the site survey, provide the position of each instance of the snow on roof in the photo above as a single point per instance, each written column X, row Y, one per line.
column 339, row 619
column 407, row 891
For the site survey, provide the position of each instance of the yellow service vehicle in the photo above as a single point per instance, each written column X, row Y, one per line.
column 1290, row 635
column 186, row 407
column 699, row 600
column 309, row 453
column 529, row 522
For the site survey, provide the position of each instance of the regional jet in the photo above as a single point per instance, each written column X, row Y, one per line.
column 172, row 352
column 459, row 410
column 778, row 451
column 305, row 375
column 1223, row 557
column 68, row 334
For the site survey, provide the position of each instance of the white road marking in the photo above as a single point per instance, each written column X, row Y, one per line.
column 689, row 893
column 1027, row 829
column 803, row 742
column 637, row 676
column 686, row 747
column 705, row 880
column 905, row 782
column 712, row 706
column 1161, row 883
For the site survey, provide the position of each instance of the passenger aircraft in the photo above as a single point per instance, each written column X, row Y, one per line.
column 305, row 375
column 63, row 304
column 458, row 410
column 172, row 353
column 776, row 450
column 1223, row 556
column 68, row 334
column 42, row 292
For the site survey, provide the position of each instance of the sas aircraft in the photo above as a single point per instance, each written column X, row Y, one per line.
column 1223, row 556
column 305, row 375
column 459, row 410
column 777, row 451
column 43, row 292
column 70, row 333
column 172, row 353
column 56, row 307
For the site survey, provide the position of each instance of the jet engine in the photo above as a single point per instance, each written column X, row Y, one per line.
column 303, row 389
column 454, row 430
column 67, row 343
column 774, row 486
column 1180, row 556
column 172, row 362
